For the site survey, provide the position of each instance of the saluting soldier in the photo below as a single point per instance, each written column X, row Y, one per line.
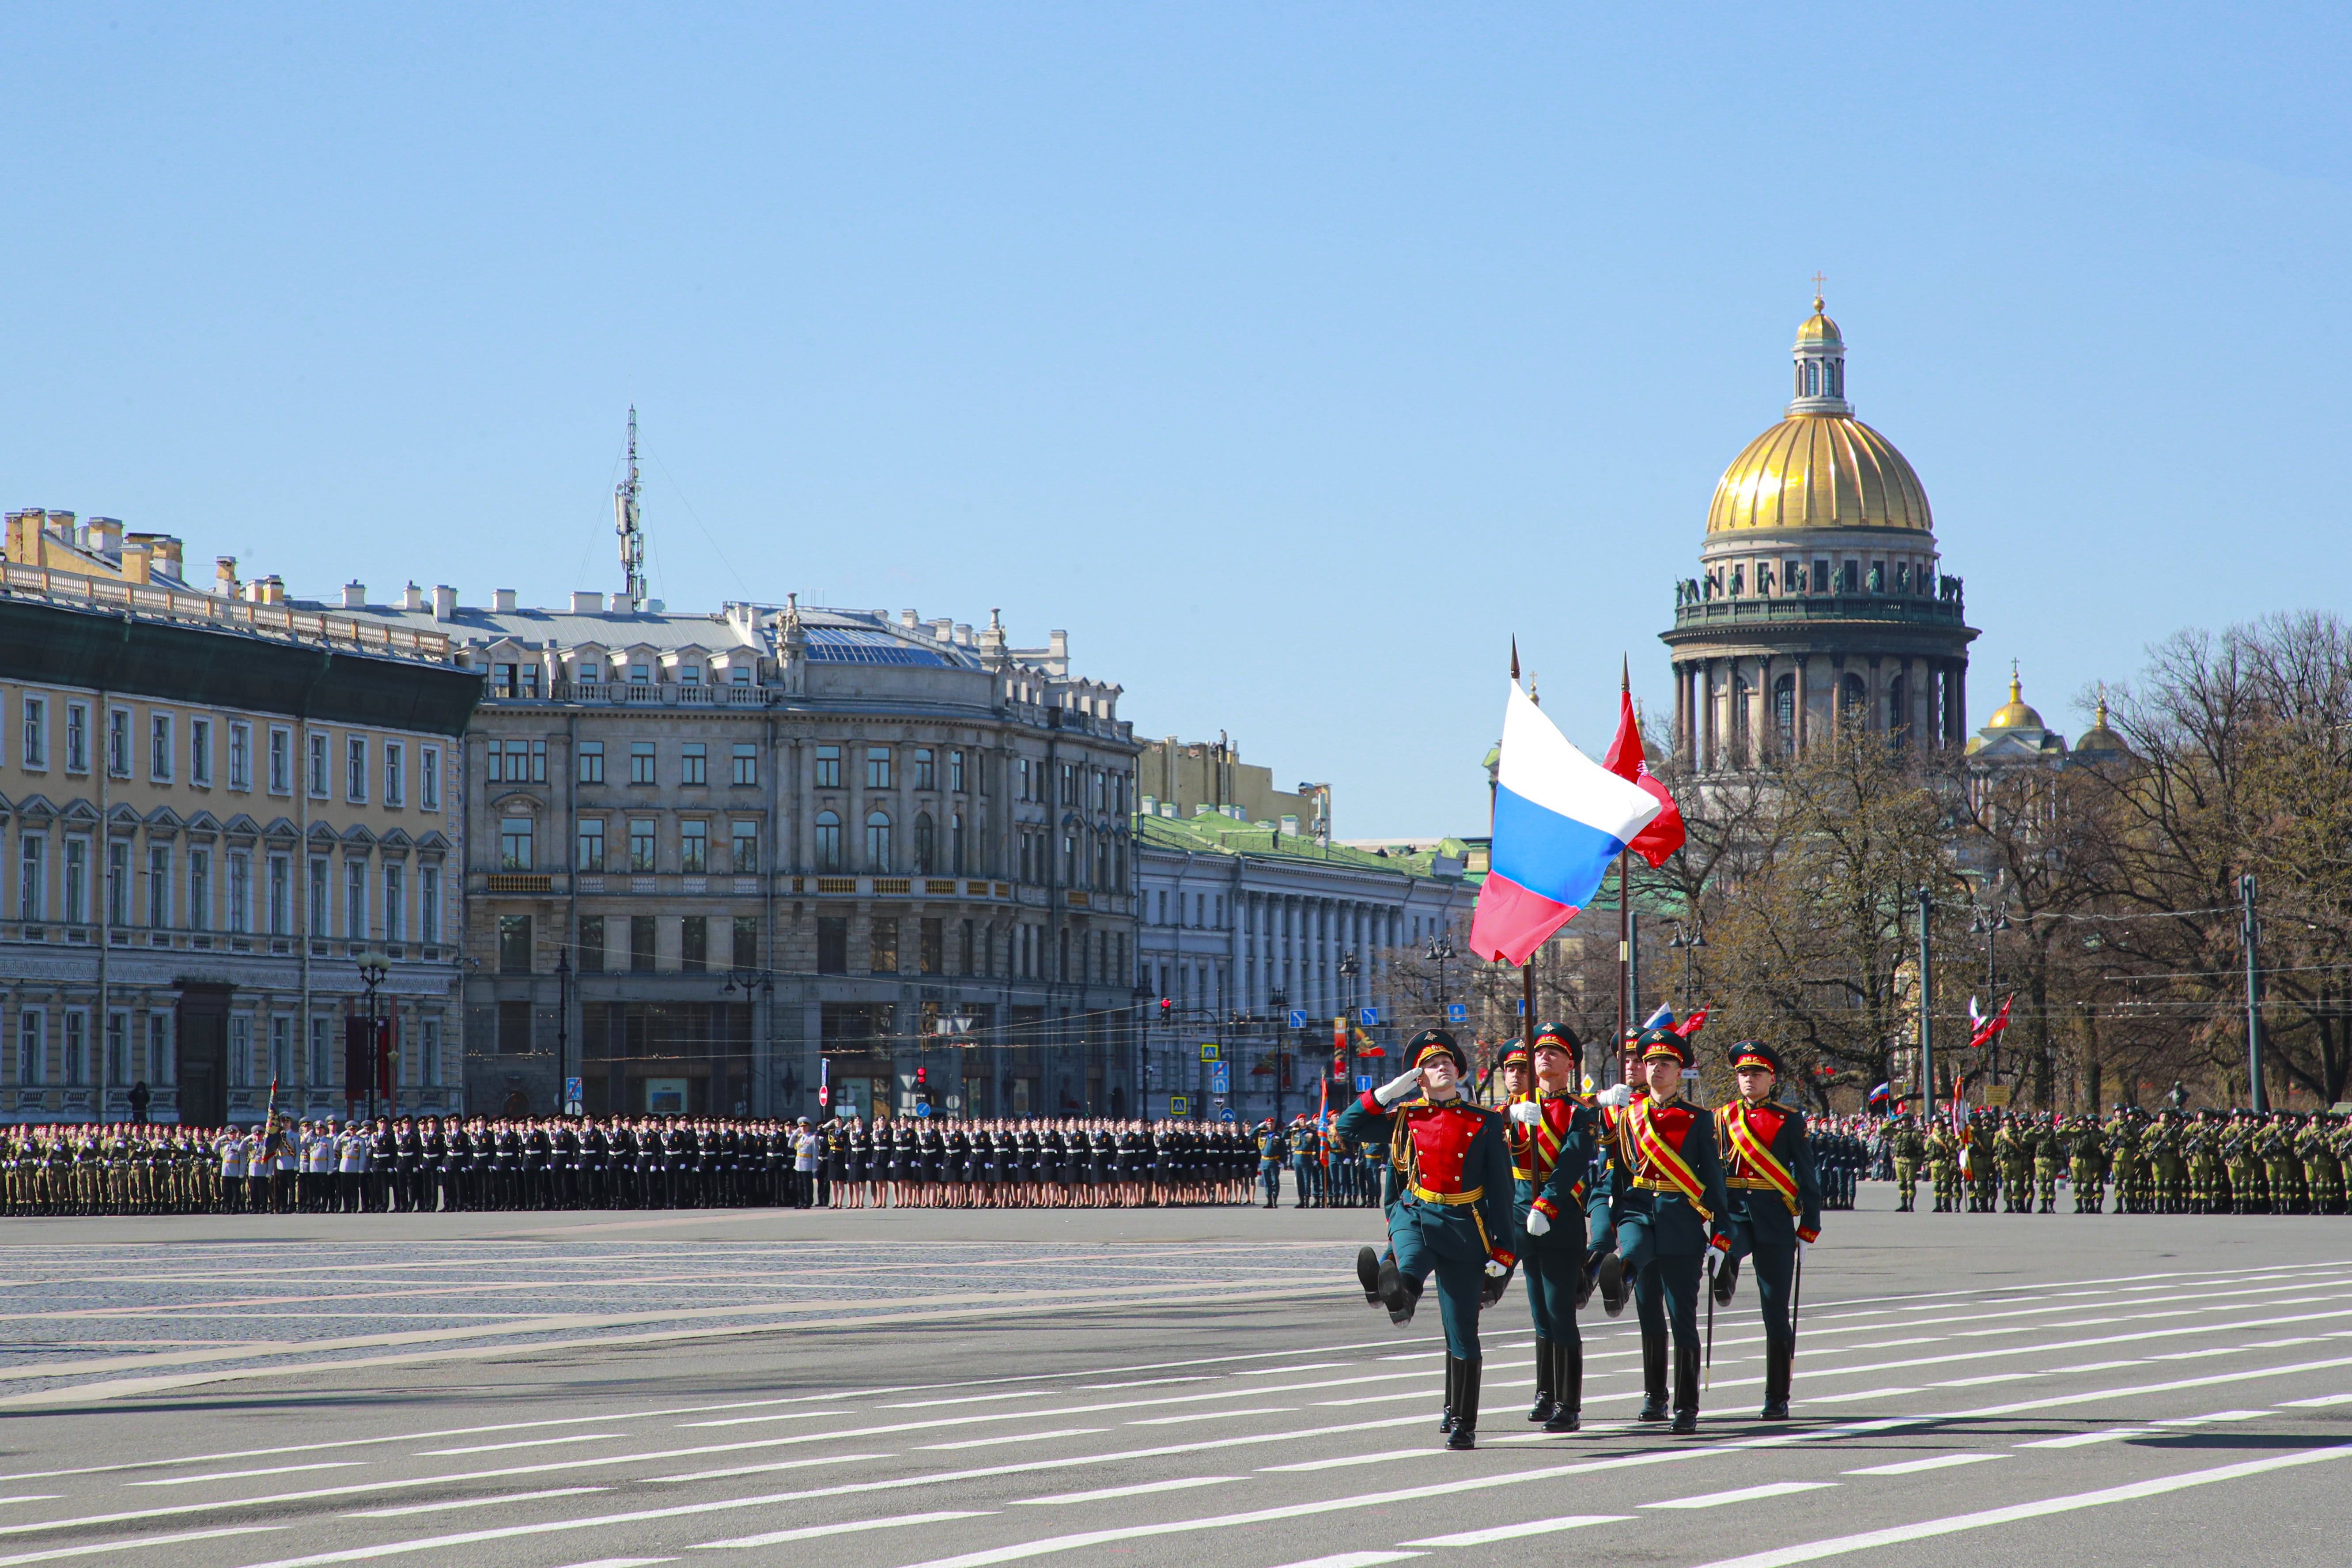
column 1554, row 1136
column 1454, row 1216
column 1775, row 1209
column 1665, row 1192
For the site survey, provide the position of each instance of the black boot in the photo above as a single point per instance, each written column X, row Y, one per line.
column 1685, row 1390
column 1567, row 1386
column 1368, row 1273
column 1543, row 1407
column 1613, row 1284
column 1395, row 1293
column 1452, row 1388
column 1727, row 1279
column 1653, row 1376
column 1466, row 1406
column 1780, row 1358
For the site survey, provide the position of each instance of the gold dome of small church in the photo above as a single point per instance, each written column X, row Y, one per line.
column 2015, row 713
column 1820, row 467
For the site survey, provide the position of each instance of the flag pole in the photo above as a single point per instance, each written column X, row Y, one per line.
column 1527, row 970
column 1624, row 908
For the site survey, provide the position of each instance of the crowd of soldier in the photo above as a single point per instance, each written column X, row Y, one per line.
column 2166, row 1161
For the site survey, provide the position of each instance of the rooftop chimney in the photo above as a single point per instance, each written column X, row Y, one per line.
column 445, row 603
column 354, row 595
column 412, row 597
column 587, row 602
column 138, row 560
column 104, row 535
column 225, row 582
column 502, row 600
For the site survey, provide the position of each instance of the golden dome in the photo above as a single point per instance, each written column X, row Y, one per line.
column 2098, row 737
column 2014, row 715
column 1819, row 330
column 1819, row 471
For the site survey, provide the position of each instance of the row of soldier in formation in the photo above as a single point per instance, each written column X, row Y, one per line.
column 435, row 1165
column 2236, row 1162
column 1635, row 1193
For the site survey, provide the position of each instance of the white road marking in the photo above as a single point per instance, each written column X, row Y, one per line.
column 1147, row 1382
column 526, row 1443
column 1211, row 1415
column 1934, row 1462
column 241, row 1475
column 1868, row 1540
column 622, row 1562
column 811, row 1531
column 470, row 1502
column 1513, row 1532
column 102, row 1547
column 1016, row 1437
column 52, row 1496
column 2217, row 1416
column 929, row 1404
column 2084, row 1439
column 2321, row 1403
column 1139, row 1490
column 1354, row 1559
column 1742, row 1494
column 1346, row 1459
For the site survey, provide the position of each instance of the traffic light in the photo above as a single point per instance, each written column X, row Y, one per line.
column 922, row 1078
column 1167, row 1008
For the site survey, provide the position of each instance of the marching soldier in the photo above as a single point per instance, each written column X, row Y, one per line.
column 2048, row 1152
column 2090, row 1165
column 1943, row 1167
column 1453, row 1217
column 1554, row 1136
column 1775, row 1208
column 1665, row 1192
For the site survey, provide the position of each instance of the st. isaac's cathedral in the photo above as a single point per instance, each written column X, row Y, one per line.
column 1820, row 589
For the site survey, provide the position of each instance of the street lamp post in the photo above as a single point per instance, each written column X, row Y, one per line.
column 1441, row 952
column 372, row 971
column 1277, row 1007
column 1988, row 923
column 563, row 1029
column 761, row 982
column 1688, row 942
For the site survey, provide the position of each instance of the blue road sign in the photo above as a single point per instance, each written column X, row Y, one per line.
column 1456, row 1012
column 1371, row 1017
column 1363, row 1083
column 1299, row 1018
column 1179, row 1105
column 922, row 1108
column 1219, row 1083
column 1226, row 1114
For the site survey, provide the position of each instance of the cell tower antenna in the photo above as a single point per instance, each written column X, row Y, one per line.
column 625, row 523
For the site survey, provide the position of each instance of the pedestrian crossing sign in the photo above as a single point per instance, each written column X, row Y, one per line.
column 1179, row 1105
column 1208, row 1050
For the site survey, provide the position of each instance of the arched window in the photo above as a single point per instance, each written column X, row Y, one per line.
column 877, row 843
column 828, row 841
column 1853, row 701
column 1784, row 708
column 1813, row 378
column 926, row 845
column 955, row 844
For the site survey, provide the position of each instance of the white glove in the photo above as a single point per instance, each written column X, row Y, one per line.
column 1527, row 1114
column 1617, row 1096
column 1406, row 1083
column 1539, row 1222
column 1495, row 1271
column 1803, row 1247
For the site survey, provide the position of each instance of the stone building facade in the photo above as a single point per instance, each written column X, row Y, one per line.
column 214, row 807
column 719, row 861
column 1820, row 591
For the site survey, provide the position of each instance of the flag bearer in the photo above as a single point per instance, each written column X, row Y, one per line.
column 1554, row 1135
column 1776, row 1206
column 1452, row 1215
column 1665, row 1192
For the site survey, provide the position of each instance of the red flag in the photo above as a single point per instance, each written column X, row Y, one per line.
column 1690, row 1026
column 1985, row 1030
column 1625, row 758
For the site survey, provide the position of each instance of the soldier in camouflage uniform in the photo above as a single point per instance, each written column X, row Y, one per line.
column 2013, row 1147
column 1908, row 1149
column 2274, row 1146
column 1943, row 1168
column 2322, row 1173
column 2171, row 1167
column 2048, row 1154
column 2087, row 1145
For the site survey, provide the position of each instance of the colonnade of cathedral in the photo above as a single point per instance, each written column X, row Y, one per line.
column 1732, row 710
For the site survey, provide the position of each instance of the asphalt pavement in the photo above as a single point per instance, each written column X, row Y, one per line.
column 921, row 1389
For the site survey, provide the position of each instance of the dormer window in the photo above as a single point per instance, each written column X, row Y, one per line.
column 639, row 674
column 689, row 674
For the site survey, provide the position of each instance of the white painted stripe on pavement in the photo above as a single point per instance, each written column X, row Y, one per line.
column 1139, row 1490
column 848, row 1526
column 1837, row 1546
column 102, row 1547
column 1933, row 1462
column 52, row 1496
column 470, row 1502
column 242, row 1475
column 2084, row 1439
column 2321, row 1403
column 1743, row 1494
column 621, row 1563
column 1014, row 1438
column 1211, row 1415
column 526, row 1443
column 1513, row 1532
column 2217, row 1416
column 1354, row 1559
column 1347, row 1459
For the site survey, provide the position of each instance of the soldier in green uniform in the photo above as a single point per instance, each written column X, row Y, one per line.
column 2087, row 1145
column 1554, row 1136
column 1908, row 1149
column 2128, row 1160
column 2200, row 1153
column 2048, row 1155
column 2015, row 1149
column 2275, row 1146
column 2323, row 1175
column 1943, row 1168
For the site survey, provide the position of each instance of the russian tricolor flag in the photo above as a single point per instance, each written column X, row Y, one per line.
column 1559, row 819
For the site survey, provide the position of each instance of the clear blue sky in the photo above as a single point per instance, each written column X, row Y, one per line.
column 1291, row 357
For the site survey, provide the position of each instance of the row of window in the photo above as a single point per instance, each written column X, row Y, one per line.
column 231, row 744
column 57, row 1049
column 202, row 890
column 1910, row 579
column 928, row 769
column 524, row 679
column 931, row 944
